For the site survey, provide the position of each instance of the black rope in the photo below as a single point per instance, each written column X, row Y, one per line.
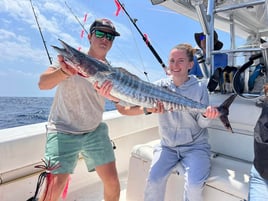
column 237, row 83
column 39, row 184
column 47, row 167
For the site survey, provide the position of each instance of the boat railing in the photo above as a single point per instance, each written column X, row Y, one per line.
column 246, row 18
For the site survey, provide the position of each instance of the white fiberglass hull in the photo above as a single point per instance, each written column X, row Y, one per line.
column 23, row 147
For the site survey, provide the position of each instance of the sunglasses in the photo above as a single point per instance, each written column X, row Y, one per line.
column 202, row 37
column 101, row 34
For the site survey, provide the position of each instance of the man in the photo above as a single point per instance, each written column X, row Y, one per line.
column 75, row 122
column 220, row 59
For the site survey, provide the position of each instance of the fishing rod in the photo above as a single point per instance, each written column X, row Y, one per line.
column 145, row 39
column 44, row 42
column 76, row 17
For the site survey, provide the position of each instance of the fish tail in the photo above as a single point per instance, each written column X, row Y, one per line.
column 224, row 110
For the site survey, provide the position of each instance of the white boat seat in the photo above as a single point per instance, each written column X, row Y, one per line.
column 228, row 179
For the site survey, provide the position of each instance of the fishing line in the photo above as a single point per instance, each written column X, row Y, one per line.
column 139, row 54
column 84, row 30
column 76, row 17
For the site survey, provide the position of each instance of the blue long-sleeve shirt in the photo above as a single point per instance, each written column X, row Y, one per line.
column 220, row 61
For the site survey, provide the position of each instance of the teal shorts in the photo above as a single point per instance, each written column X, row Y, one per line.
column 63, row 149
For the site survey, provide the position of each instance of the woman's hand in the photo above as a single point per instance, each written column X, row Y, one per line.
column 159, row 108
column 211, row 112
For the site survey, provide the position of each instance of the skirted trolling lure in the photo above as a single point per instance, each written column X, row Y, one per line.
column 47, row 175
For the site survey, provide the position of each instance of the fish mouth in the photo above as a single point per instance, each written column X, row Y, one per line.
column 68, row 52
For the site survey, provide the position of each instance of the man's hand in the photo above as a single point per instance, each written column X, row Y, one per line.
column 105, row 90
column 65, row 68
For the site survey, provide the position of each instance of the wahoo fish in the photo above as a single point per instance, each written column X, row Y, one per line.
column 131, row 89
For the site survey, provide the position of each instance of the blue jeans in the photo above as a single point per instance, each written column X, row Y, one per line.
column 195, row 160
column 258, row 187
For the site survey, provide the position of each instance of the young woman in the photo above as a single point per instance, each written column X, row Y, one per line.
column 184, row 136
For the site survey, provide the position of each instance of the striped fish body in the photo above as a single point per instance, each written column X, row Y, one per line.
column 126, row 86
column 130, row 88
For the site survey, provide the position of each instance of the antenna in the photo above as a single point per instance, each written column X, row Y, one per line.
column 44, row 42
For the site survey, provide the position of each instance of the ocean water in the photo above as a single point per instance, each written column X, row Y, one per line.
column 20, row 111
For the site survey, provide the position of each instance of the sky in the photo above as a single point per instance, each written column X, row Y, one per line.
column 23, row 54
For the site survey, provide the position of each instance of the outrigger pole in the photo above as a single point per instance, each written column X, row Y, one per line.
column 44, row 42
column 144, row 38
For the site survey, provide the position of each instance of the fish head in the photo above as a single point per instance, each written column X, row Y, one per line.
column 84, row 64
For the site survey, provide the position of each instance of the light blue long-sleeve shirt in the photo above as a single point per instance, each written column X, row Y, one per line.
column 184, row 127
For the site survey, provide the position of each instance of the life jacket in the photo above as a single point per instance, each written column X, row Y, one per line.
column 261, row 142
